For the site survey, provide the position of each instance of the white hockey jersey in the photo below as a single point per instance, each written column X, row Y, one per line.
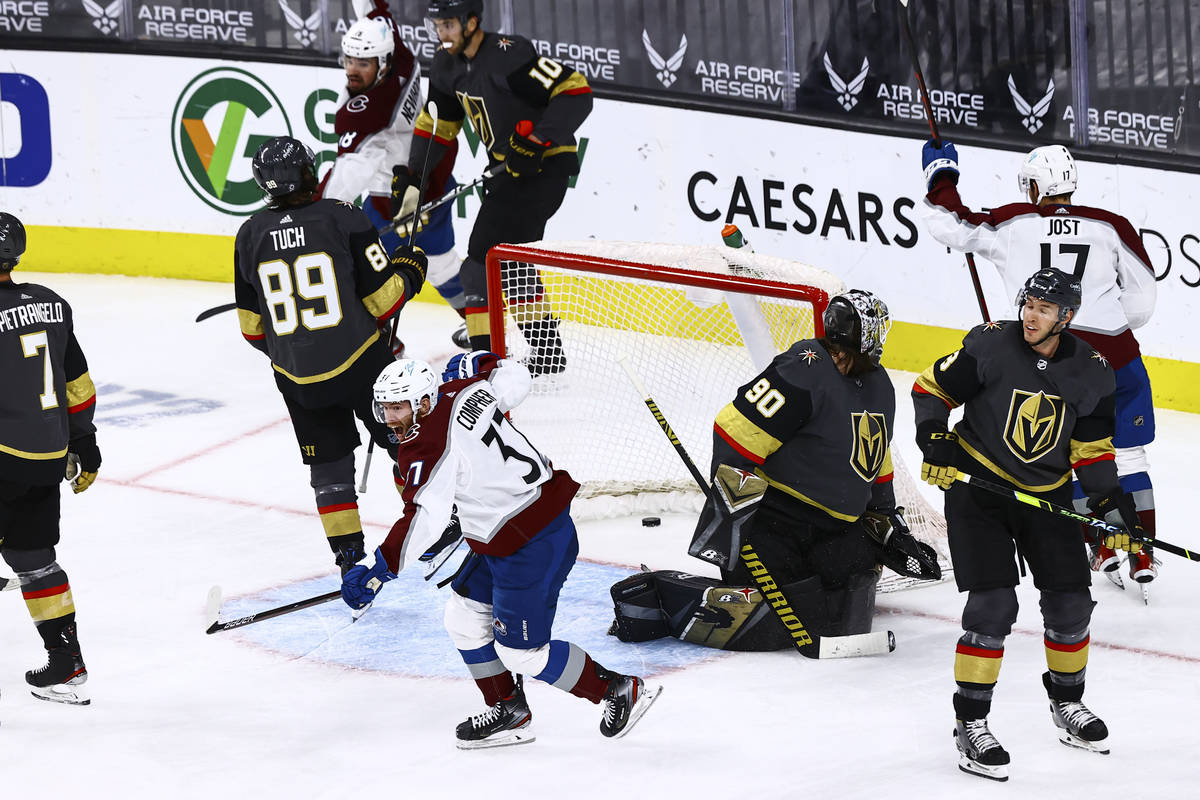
column 467, row 453
column 1102, row 249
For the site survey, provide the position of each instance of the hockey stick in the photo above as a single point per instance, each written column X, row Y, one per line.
column 412, row 234
column 1063, row 511
column 933, row 130
column 8, row 584
column 449, row 196
column 809, row 645
column 212, row 312
column 214, row 610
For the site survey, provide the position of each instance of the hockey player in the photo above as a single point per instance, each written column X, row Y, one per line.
column 816, row 426
column 1038, row 403
column 525, row 108
column 374, row 125
column 313, row 286
column 46, row 407
column 457, row 448
column 1105, row 253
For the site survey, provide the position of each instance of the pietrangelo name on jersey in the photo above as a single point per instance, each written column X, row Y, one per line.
column 30, row 314
column 287, row 238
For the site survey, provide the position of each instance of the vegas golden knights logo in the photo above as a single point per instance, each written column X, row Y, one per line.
column 1034, row 424
column 480, row 121
column 870, row 443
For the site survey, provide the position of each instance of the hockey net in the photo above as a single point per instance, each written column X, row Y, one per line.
column 693, row 322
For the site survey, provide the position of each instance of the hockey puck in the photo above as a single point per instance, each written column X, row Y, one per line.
column 651, row 522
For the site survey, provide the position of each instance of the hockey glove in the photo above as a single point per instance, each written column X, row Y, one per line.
column 941, row 451
column 412, row 264
column 524, row 156
column 83, row 463
column 939, row 161
column 468, row 365
column 1117, row 508
column 406, row 198
column 360, row 584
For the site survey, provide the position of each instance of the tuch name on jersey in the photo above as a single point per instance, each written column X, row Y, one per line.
column 288, row 238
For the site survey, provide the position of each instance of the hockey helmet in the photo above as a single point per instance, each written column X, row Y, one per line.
column 1053, row 286
column 370, row 37
column 12, row 241
column 284, row 165
column 1052, row 167
column 858, row 321
column 405, row 379
column 461, row 10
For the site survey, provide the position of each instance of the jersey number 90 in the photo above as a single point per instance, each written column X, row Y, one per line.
column 767, row 400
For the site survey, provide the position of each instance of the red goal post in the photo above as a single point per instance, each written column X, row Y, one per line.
column 695, row 322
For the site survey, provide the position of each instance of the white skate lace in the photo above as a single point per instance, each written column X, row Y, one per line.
column 1076, row 714
column 979, row 736
column 486, row 718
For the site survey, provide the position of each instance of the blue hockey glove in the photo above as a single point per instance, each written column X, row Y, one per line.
column 468, row 365
column 360, row 584
column 939, row 160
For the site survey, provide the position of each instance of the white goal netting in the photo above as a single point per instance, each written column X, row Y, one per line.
column 693, row 322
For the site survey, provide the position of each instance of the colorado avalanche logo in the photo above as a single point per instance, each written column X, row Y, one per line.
column 357, row 103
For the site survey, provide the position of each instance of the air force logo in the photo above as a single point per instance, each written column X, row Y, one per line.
column 1034, row 424
column 1031, row 115
column 847, row 91
column 666, row 67
column 305, row 27
column 870, row 443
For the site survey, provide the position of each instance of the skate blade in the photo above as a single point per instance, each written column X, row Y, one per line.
column 645, row 700
column 1082, row 744
column 62, row 693
column 996, row 773
column 522, row 735
column 1114, row 576
column 1146, row 593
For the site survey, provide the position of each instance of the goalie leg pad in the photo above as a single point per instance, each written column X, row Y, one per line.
column 851, row 609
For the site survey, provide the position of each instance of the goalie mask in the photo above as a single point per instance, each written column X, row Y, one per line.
column 12, row 241
column 406, row 379
column 1052, row 167
column 1053, row 286
column 858, row 321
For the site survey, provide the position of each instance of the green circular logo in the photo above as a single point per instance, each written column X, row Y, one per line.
column 220, row 120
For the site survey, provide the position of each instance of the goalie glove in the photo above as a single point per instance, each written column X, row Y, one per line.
column 898, row 549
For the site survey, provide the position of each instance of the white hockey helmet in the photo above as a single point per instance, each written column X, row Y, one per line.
column 405, row 379
column 1052, row 167
column 370, row 37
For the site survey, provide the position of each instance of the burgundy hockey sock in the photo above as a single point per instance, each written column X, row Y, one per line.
column 496, row 688
column 590, row 685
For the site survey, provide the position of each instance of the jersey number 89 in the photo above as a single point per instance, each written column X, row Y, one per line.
column 311, row 277
column 765, row 399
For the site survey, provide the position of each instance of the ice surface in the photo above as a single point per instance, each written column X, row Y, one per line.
column 202, row 485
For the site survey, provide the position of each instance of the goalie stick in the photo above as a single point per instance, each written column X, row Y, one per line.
column 933, row 130
column 808, row 644
column 1063, row 511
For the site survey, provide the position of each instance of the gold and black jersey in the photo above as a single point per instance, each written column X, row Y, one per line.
column 1027, row 419
column 815, row 435
column 506, row 82
column 312, row 284
column 46, row 397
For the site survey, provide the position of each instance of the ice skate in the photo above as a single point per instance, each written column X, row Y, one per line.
column 1142, row 567
column 1107, row 561
column 461, row 338
column 62, row 679
column 507, row 723
column 979, row 752
column 1080, row 727
column 627, row 699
